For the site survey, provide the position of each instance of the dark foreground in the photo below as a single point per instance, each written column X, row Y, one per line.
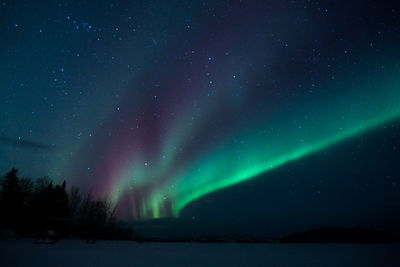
column 125, row 253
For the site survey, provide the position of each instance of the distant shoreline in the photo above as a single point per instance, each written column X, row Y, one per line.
column 326, row 235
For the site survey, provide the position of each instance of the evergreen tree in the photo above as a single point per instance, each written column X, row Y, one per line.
column 11, row 197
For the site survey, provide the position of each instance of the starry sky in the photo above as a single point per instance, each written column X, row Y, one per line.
column 186, row 108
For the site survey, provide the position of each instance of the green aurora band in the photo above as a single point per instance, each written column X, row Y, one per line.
column 263, row 145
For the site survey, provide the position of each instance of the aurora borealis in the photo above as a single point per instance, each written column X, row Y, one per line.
column 156, row 104
column 249, row 153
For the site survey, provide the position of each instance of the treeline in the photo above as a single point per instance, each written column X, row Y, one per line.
column 34, row 207
column 341, row 235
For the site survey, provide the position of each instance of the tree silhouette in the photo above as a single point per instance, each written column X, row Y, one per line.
column 12, row 198
column 40, row 206
column 74, row 202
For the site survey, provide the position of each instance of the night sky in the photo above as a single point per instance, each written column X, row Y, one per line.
column 276, row 114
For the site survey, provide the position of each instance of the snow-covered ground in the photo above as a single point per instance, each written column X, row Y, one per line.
column 120, row 253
